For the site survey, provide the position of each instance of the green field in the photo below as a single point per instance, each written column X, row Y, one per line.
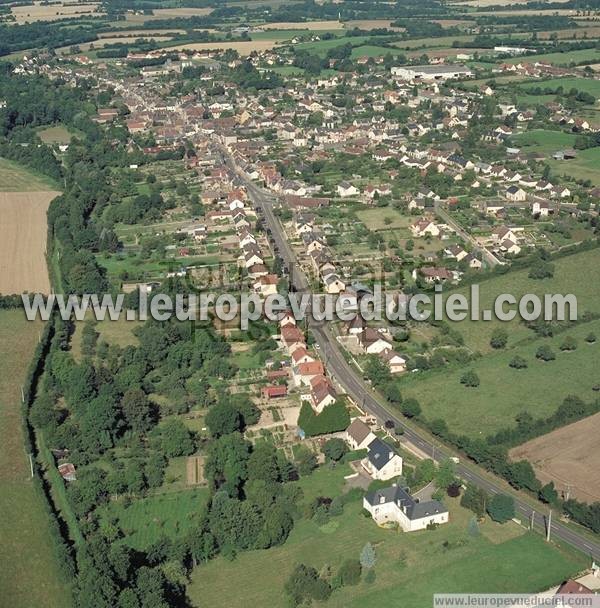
column 585, row 166
column 369, row 50
column 409, row 566
column 320, row 47
column 567, row 279
column 58, row 134
column 383, row 218
column 28, row 573
column 146, row 520
column 289, row 34
column 544, row 142
column 587, row 85
column 504, row 392
column 561, row 59
column 16, row 178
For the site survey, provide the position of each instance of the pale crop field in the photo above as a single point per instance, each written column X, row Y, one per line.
column 23, row 232
column 242, row 47
column 52, row 12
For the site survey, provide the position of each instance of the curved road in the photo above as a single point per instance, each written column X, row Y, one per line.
column 351, row 381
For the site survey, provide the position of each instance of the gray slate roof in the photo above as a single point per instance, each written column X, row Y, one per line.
column 412, row 508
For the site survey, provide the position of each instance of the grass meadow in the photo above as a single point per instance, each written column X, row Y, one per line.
column 409, row 566
column 567, row 279
column 15, row 178
column 504, row 392
column 28, row 573
column 543, row 141
column 148, row 519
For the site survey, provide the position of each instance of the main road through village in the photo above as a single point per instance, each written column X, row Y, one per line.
column 352, row 382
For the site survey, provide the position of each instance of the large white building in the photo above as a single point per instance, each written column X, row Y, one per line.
column 431, row 72
column 394, row 504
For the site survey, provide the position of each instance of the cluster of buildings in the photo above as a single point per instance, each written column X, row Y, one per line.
column 393, row 504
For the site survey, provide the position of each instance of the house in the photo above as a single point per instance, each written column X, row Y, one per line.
column 431, row 274
column 540, row 208
column 346, row 189
column 456, row 252
column 515, row 194
column 67, row 471
column 508, row 246
column 287, row 319
column 305, row 372
column 267, row 285
column 396, row 505
column 301, row 355
column 358, row 435
column 251, row 258
column 382, row 462
column 571, row 587
column 333, row 283
column 473, row 262
column 423, row 227
column 501, row 233
column 322, row 393
column 395, row 362
column 373, row 342
column 292, row 337
column 273, row 392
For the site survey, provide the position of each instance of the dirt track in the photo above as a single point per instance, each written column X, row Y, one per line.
column 23, row 230
column 570, row 457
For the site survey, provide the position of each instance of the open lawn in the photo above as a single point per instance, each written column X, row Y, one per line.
column 23, row 233
column 147, row 520
column 410, row 566
column 28, row 573
column 567, row 279
column 16, row 178
column 542, row 141
column 56, row 135
column 384, row 218
column 585, row 166
column 504, row 392
column 118, row 333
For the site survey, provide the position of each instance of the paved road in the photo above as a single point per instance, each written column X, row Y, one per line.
column 489, row 257
column 351, row 381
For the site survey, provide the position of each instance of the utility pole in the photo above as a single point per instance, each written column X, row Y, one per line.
column 31, row 465
column 549, row 526
column 532, row 520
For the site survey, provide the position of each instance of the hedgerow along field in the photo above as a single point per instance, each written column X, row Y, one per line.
column 28, row 573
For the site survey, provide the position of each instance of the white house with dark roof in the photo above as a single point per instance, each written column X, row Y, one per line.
column 381, row 461
column 396, row 505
